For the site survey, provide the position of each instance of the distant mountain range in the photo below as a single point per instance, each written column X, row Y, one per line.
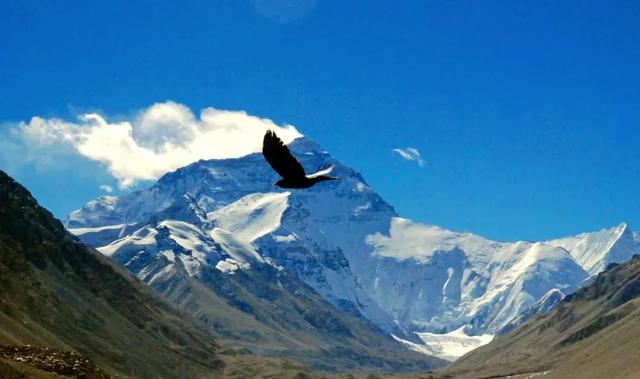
column 220, row 232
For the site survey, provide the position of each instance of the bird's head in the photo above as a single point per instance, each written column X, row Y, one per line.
column 280, row 183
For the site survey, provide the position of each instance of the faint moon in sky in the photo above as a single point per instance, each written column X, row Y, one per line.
column 283, row 11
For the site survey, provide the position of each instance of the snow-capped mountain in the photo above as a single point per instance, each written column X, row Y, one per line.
column 211, row 267
column 438, row 281
column 594, row 251
column 346, row 242
column 237, row 197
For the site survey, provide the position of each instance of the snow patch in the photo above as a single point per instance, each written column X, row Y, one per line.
column 420, row 348
column 453, row 345
column 81, row 231
column 229, row 266
column 187, row 236
column 408, row 239
column 358, row 210
column 284, row 239
column 237, row 249
column 252, row 216
column 170, row 255
column 142, row 237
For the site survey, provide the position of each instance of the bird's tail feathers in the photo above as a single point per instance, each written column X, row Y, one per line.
column 321, row 173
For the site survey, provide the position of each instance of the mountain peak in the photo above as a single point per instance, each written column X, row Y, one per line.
column 624, row 228
column 305, row 144
column 595, row 250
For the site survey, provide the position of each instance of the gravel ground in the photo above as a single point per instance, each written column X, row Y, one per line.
column 65, row 363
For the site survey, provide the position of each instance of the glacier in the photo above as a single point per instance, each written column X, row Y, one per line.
column 414, row 281
column 448, row 346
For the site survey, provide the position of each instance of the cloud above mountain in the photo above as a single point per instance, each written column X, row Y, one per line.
column 157, row 139
column 410, row 154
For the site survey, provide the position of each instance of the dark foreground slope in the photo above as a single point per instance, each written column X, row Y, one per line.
column 56, row 292
column 594, row 333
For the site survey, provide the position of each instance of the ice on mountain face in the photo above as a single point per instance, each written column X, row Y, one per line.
column 252, row 216
column 142, row 237
column 184, row 244
column 537, row 269
column 230, row 265
column 100, row 236
column 343, row 240
column 237, row 249
column 420, row 295
column 99, row 211
column 187, row 236
column 288, row 238
column 82, row 231
column 407, row 239
column 437, row 280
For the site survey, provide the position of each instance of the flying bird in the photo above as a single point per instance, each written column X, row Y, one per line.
column 287, row 166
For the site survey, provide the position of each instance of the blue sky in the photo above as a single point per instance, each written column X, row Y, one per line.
column 527, row 113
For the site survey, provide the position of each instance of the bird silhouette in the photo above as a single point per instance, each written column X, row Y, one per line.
column 287, row 166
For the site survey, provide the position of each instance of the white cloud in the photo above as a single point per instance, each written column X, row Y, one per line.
column 410, row 154
column 158, row 139
column 106, row 188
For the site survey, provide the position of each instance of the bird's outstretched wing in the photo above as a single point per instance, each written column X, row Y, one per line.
column 280, row 158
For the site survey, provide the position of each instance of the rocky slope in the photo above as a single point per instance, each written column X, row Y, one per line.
column 47, row 361
column 56, row 292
